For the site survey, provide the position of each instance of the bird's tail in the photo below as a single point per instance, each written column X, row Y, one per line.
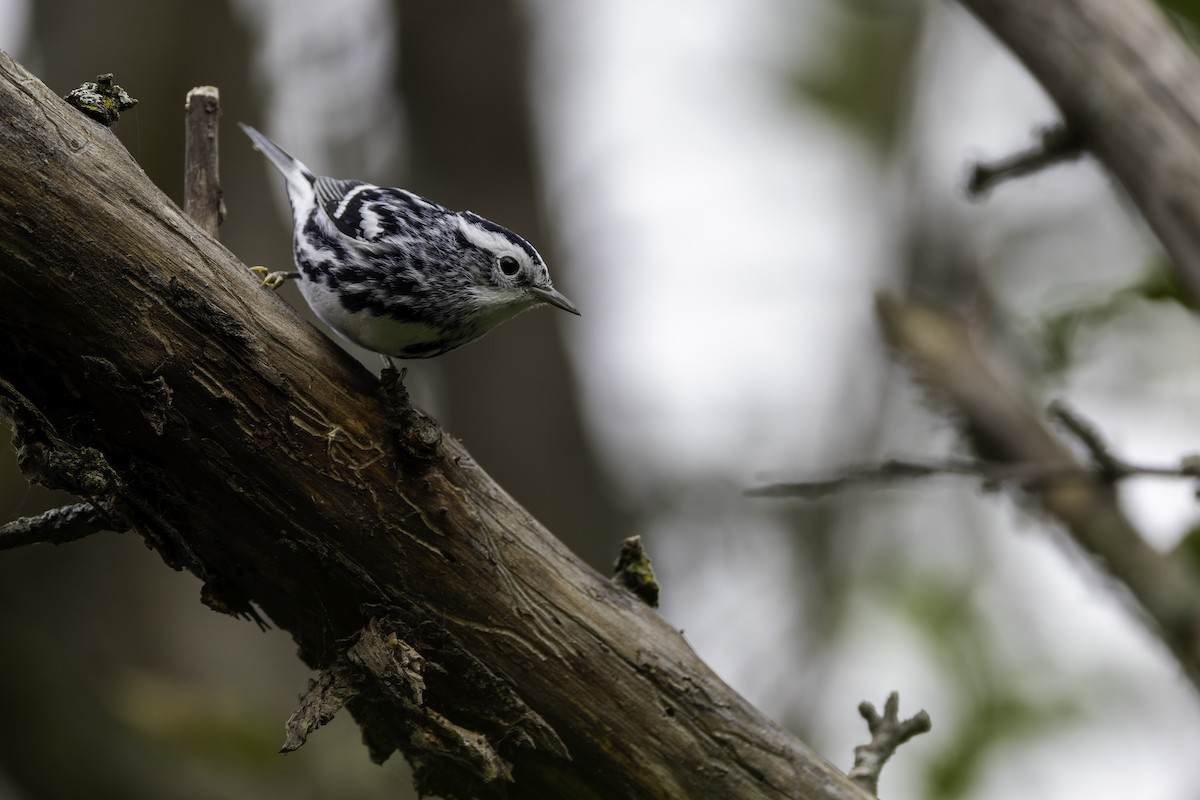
column 299, row 179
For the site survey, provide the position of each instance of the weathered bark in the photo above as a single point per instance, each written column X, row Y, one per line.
column 142, row 366
column 201, row 170
column 1129, row 86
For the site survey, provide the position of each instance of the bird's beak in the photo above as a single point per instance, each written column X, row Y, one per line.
column 548, row 294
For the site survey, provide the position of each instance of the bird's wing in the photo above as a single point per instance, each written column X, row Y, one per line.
column 373, row 213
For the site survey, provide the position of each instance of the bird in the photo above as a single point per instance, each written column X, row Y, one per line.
column 398, row 274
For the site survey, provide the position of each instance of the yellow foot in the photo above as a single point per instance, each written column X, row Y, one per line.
column 273, row 280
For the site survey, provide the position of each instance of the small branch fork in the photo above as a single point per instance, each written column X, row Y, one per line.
column 1056, row 144
column 888, row 732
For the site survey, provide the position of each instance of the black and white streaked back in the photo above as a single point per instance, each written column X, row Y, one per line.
column 374, row 213
column 400, row 274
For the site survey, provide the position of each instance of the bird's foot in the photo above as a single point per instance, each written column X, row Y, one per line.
column 391, row 383
column 417, row 434
column 273, row 280
column 391, row 378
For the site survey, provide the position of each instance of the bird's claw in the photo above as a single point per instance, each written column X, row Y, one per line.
column 272, row 280
column 391, row 377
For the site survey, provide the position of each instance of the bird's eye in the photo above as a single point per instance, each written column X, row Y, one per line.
column 509, row 265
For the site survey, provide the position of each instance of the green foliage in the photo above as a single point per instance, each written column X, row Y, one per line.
column 994, row 705
column 1185, row 13
column 982, row 728
column 1059, row 331
column 863, row 80
column 214, row 729
column 1189, row 548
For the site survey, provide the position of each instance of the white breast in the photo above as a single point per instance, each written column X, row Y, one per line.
column 379, row 334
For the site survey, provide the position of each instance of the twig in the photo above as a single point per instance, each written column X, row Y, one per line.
column 201, row 175
column 1089, row 436
column 990, row 473
column 58, row 526
column 1056, row 144
column 887, row 734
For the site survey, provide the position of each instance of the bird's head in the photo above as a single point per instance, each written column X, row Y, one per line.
column 508, row 274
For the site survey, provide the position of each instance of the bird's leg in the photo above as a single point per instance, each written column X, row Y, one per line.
column 391, row 378
column 417, row 434
column 391, row 381
column 273, row 280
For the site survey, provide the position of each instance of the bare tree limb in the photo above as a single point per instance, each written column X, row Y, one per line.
column 144, row 368
column 1003, row 427
column 1128, row 86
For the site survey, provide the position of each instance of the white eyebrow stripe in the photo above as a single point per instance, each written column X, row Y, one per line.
column 489, row 240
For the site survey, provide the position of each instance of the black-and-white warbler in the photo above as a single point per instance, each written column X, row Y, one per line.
column 399, row 274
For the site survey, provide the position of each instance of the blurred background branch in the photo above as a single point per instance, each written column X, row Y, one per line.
column 990, row 475
column 1002, row 427
column 1126, row 87
column 1056, row 144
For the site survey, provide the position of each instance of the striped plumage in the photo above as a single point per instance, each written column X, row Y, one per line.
column 399, row 274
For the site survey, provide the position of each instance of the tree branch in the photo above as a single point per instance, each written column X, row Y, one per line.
column 1126, row 84
column 145, row 369
column 1002, row 427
